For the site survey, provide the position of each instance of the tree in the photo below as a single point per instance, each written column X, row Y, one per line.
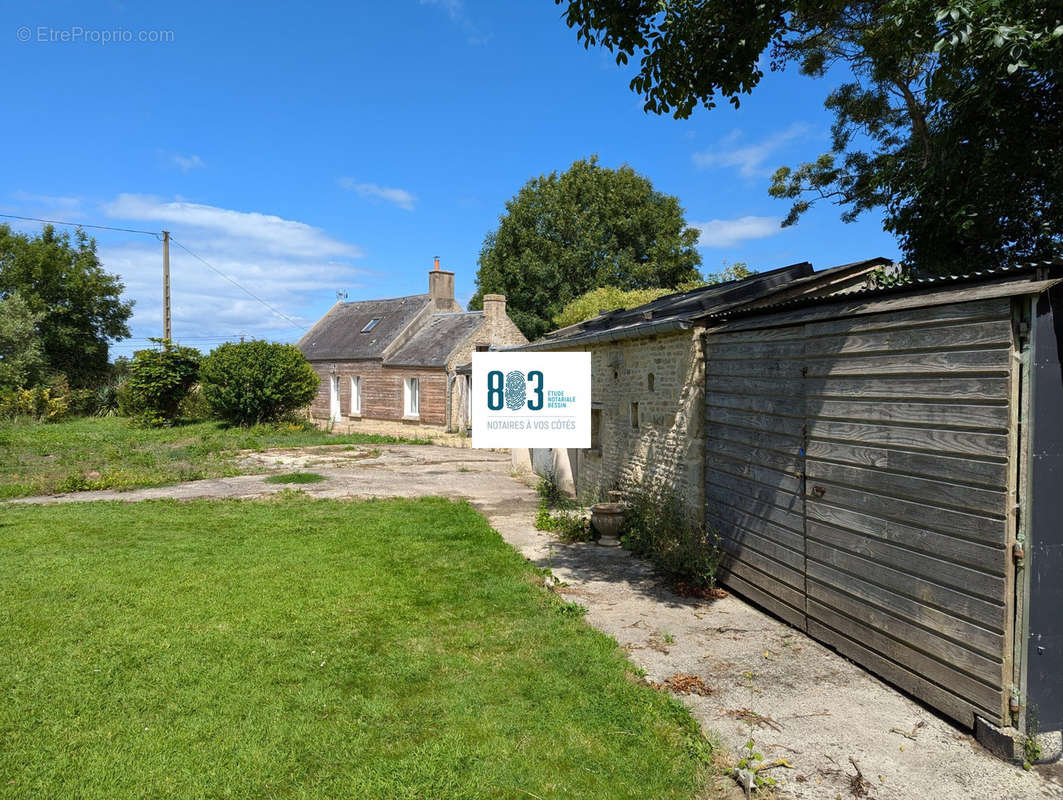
column 21, row 359
column 159, row 380
column 257, row 381
column 605, row 298
column 730, row 272
column 924, row 130
column 80, row 307
column 565, row 234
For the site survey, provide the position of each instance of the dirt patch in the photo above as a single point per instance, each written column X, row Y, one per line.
column 681, row 683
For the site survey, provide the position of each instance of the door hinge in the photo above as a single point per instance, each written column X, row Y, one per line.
column 1018, row 552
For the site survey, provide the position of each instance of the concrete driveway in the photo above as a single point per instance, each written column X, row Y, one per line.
column 842, row 732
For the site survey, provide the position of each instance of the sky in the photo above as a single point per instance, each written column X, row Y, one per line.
column 340, row 147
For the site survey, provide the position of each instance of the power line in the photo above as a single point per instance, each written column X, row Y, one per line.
column 248, row 292
column 156, row 234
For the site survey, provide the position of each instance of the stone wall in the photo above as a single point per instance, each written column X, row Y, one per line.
column 497, row 330
column 667, row 446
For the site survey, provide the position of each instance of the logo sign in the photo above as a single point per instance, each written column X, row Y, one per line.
column 531, row 400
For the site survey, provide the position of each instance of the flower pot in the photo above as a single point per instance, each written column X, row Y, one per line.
column 607, row 519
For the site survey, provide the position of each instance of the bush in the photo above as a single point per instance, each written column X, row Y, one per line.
column 658, row 526
column 159, row 380
column 39, row 404
column 255, row 382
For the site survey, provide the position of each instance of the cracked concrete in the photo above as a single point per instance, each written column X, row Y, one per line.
column 803, row 702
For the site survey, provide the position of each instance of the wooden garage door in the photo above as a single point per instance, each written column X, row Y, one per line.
column 888, row 538
column 755, row 413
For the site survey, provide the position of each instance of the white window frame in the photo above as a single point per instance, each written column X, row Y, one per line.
column 411, row 398
column 356, row 395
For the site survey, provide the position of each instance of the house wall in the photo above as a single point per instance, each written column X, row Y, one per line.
column 382, row 392
column 667, row 446
column 497, row 329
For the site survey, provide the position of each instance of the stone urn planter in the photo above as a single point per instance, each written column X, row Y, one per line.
column 606, row 520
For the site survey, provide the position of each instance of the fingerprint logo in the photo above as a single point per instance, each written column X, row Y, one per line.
column 515, row 390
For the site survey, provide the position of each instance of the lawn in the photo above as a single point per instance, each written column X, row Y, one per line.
column 112, row 453
column 300, row 648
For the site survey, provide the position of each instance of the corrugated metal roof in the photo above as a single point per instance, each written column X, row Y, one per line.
column 433, row 343
column 338, row 334
column 926, row 282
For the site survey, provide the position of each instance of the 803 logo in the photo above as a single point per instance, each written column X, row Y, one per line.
column 511, row 390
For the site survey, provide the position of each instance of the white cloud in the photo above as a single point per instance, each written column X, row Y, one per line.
column 239, row 229
column 186, row 163
column 286, row 263
column 399, row 197
column 456, row 11
column 749, row 159
column 729, row 232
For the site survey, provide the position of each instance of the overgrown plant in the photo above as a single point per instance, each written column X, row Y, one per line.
column 559, row 513
column 659, row 526
column 159, row 380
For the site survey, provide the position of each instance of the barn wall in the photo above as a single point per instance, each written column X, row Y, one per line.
column 861, row 472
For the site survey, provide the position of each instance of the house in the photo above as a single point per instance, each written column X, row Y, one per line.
column 395, row 360
column 882, row 464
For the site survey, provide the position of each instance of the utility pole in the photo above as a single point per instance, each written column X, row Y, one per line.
column 166, row 285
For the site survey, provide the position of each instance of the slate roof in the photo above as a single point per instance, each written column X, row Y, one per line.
column 436, row 340
column 338, row 334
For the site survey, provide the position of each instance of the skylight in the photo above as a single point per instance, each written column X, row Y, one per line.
column 370, row 325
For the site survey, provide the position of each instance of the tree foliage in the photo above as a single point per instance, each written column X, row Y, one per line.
column 159, row 380
column 80, row 308
column 565, row 234
column 950, row 122
column 257, row 381
column 21, row 358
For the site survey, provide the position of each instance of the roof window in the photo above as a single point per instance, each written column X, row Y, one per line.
column 370, row 325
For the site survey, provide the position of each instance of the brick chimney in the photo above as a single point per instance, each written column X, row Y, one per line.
column 441, row 288
column 494, row 306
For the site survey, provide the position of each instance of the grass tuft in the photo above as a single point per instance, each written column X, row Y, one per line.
column 296, row 477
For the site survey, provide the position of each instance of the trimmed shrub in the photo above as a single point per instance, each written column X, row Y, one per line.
column 159, row 380
column 255, row 382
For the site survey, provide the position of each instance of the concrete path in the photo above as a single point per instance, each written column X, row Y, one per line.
column 803, row 703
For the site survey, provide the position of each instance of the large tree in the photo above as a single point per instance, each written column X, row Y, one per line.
column 21, row 357
column 79, row 305
column 949, row 122
column 565, row 234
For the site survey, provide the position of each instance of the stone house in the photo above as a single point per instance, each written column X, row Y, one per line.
column 648, row 379
column 396, row 360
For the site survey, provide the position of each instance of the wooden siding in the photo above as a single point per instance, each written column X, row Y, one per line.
column 753, row 465
column 382, row 396
column 871, row 504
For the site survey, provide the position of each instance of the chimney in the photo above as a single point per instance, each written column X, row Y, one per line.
column 494, row 306
column 441, row 288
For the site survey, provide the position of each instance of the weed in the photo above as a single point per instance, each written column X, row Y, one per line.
column 669, row 638
column 1031, row 745
column 296, row 477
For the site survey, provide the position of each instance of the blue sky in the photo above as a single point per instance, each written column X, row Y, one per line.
column 342, row 146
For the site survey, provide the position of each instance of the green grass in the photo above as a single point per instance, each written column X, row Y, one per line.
column 296, row 477
column 308, row 649
column 112, row 453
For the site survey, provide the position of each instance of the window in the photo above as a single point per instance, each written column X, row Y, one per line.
column 596, row 430
column 356, row 396
column 411, row 395
column 650, row 382
column 634, row 415
column 370, row 325
column 482, row 348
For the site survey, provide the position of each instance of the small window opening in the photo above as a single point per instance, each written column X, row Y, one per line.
column 634, row 415
column 370, row 325
column 649, row 381
column 596, row 429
